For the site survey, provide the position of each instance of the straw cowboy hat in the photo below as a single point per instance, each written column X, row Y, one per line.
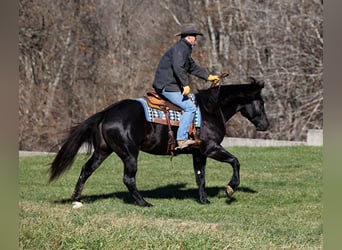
column 189, row 29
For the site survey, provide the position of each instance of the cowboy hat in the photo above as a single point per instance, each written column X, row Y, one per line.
column 189, row 29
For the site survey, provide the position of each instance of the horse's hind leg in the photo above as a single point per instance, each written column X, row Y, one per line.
column 130, row 165
column 91, row 165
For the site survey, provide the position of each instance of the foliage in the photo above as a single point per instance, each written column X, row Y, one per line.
column 278, row 205
column 77, row 57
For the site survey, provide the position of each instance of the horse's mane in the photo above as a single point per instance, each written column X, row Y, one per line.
column 209, row 98
column 249, row 88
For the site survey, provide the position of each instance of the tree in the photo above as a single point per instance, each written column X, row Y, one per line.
column 77, row 57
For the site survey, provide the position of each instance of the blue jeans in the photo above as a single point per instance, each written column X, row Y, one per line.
column 189, row 112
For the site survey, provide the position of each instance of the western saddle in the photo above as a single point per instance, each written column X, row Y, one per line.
column 155, row 101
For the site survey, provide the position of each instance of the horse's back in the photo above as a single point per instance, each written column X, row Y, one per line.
column 125, row 110
column 124, row 126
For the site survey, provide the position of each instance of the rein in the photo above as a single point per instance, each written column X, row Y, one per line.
column 224, row 74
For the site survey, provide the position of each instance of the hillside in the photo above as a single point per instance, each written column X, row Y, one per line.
column 77, row 57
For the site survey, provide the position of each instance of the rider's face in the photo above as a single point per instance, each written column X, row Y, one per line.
column 191, row 39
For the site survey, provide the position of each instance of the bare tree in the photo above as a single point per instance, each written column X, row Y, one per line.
column 77, row 57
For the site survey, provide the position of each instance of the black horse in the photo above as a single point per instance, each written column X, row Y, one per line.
column 123, row 129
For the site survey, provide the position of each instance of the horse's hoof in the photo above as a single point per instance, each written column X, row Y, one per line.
column 147, row 204
column 144, row 204
column 77, row 204
column 203, row 202
column 229, row 191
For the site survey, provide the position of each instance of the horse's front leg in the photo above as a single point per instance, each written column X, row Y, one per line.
column 218, row 153
column 199, row 162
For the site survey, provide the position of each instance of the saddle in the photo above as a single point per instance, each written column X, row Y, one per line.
column 155, row 101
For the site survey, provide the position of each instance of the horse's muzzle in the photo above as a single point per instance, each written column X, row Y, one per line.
column 263, row 126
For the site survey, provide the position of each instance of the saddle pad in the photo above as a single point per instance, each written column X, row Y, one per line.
column 158, row 116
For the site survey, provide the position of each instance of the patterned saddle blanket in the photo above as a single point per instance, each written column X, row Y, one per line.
column 156, row 115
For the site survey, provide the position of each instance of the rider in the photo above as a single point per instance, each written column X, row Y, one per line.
column 171, row 79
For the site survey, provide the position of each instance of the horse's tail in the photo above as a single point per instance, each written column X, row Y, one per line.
column 78, row 135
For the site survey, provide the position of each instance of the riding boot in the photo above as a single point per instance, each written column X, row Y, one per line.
column 185, row 143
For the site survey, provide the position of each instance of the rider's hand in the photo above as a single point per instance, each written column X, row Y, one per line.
column 186, row 90
column 214, row 78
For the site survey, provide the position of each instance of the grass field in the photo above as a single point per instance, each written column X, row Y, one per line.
column 277, row 206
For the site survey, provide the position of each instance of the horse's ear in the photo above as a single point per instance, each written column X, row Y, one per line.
column 261, row 84
column 252, row 80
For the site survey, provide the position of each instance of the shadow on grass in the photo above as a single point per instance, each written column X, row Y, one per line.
column 172, row 191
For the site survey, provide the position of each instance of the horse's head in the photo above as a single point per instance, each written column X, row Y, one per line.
column 226, row 100
column 253, row 108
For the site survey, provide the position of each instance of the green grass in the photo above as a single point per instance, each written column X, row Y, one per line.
column 278, row 204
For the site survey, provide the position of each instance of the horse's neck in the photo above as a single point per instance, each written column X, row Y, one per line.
column 226, row 107
column 229, row 110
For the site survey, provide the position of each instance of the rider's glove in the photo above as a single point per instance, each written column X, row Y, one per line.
column 214, row 78
column 186, row 90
